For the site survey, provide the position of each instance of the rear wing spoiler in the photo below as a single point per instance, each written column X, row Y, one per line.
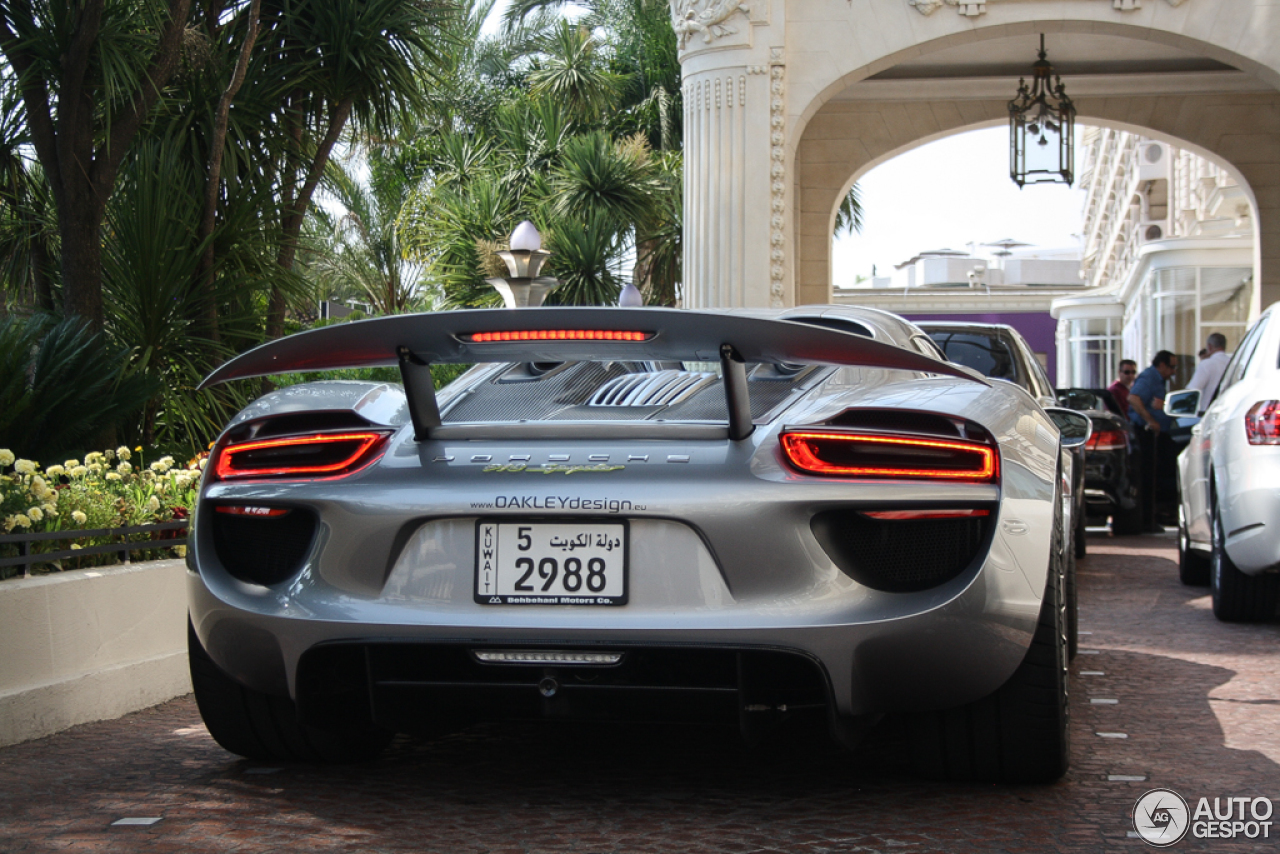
column 415, row 341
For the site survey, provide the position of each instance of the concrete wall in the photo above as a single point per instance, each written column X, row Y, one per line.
column 90, row 645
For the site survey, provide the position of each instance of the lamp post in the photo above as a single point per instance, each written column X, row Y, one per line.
column 1042, row 123
column 524, row 288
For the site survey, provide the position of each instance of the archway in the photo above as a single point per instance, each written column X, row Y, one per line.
column 779, row 117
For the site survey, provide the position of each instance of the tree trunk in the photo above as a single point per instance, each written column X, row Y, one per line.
column 213, row 180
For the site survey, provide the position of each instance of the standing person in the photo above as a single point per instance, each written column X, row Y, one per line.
column 1120, row 388
column 1209, row 372
column 1146, row 411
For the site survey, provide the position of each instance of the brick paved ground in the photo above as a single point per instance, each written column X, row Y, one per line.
column 1198, row 700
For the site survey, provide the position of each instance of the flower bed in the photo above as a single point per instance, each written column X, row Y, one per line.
column 107, row 490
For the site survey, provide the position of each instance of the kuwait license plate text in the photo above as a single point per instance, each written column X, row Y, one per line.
column 551, row 563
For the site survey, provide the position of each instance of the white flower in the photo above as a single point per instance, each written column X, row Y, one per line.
column 71, row 464
column 24, row 467
column 112, row 476
column 35, row 514
column 96, row 468
column 79, row 471
column 203, row 460
column 153, row 504
column 124, row 468
column 76, row 546
column 108, row 455
column 21, row 521
column 55, row 471
column 92, row 457
column 182, row 481
column 50, row 510
column 6, row 457
column 78, row 517
column 123, row 452
column 181, row 551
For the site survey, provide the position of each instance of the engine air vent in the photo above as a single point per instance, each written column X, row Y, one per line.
column 660, row 388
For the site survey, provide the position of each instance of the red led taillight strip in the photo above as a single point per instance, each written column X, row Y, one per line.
column 363, row 447
column 819, row 452
column 559, row 335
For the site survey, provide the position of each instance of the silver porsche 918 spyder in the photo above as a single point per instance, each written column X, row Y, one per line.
column 640, row 514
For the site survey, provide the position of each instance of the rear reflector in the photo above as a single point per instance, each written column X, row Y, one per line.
column 1262, row 423
column 558, row 335
column 316, row 455
column 905, row 515
column 259, row 512
column 1107, row 440
column 876, row 455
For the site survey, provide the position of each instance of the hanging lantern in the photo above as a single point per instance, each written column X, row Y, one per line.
column 1042, row 123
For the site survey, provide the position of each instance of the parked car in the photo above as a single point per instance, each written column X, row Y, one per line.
column 1228, row 532
column 635, row 514
column 1111, row 465
column 999, row 351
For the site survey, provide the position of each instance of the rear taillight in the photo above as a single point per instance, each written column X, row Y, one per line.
column 315, row 455
column 1262, row 423
column 1108, row 440
column 843, row 454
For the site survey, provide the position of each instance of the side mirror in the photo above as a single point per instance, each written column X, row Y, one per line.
column 1186, row 402
column 1075, row 427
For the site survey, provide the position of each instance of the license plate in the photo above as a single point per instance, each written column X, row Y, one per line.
column 551, row 563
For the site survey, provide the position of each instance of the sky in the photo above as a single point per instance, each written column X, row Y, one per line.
column 950, row 193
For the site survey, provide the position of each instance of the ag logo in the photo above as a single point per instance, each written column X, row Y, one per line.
column 1161, row 817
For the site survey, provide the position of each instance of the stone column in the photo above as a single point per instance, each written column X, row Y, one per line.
column 735, row 228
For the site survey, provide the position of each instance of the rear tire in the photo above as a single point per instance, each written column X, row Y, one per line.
column 1127, row 523
column 1193, row 567
column 1081, row 544
column 1238, row 598
column 1020, row 733
column 265, row 727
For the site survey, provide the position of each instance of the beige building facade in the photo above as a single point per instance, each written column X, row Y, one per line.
column 789, row 102
column 1167, row 258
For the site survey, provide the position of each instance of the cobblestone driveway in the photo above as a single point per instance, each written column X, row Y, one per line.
column 1164, row 696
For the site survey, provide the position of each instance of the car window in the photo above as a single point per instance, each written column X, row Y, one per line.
column 990, row 356
column 1239, row 363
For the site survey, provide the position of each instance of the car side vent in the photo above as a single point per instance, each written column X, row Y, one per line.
column 903, row 551
column 262, row 545
column 299, row 422
column 905, row 421
column 660, row 388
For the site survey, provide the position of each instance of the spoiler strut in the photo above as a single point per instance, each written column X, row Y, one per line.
column 414, row 341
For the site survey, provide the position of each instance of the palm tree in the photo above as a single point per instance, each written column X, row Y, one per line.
column 363, row 253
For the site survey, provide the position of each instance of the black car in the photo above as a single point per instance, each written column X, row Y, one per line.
column 1111, row 468
column 999, row 351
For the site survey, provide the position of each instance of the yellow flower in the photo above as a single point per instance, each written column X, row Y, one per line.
column 76, row 546
column 35, row 514
column 78, row 517
column 122, row 452
column 181, row 551
column 6, row 457
column 124, row 468
column 71, row 464
column 55, row 471
column 21, row 521
column 112, row 476
column 96, row 468
column 138, row 449
column 24, row 467
column 79, row 471
column 93, row 457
